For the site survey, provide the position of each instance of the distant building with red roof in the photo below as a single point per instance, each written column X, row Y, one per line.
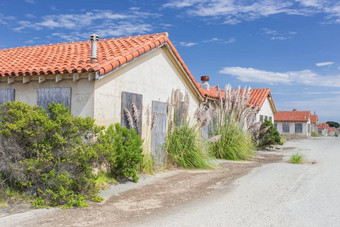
column 293, row 122
column 314, row 123
column 259, row 97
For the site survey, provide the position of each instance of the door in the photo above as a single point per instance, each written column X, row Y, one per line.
column 158, row 132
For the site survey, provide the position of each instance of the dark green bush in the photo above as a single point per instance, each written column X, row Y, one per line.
column 268, row 135
column 47, row 155
column 121, row 149
column 184, row 148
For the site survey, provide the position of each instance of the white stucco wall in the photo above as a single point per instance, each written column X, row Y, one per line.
column 292, row 128
column 82, row 92
column 266, row 110
column 153, row 75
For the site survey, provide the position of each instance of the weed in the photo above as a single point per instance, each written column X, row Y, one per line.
column 315, row 134
column 296, row 158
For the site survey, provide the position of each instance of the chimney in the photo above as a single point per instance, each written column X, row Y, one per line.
column 94, row 39
column 205, row 85
column 294, row 109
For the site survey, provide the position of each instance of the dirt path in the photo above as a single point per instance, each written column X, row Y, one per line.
column 137, row 205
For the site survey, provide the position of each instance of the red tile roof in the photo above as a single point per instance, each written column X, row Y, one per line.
column 332, row 129
column 294, row 116
column 314, row 119
column 257, row 96
column 323, row 126
column 74, row 57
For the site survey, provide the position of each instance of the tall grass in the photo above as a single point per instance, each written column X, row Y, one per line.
column 234, row 144
column 234, row 126
column 183, row 143
column 184, row 149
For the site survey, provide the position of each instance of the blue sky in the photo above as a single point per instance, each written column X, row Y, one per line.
column 290, row 46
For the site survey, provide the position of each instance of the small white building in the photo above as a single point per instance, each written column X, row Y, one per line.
column 315, row 122
column 259, row 97
column 293, row 122
column 100, row 78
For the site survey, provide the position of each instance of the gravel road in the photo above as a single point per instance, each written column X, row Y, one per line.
column 278, row 194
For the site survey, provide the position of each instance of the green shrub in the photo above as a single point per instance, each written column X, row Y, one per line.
column 234, row 143
column 315, row 134
column 121, row 149
column 296, row 158
column 184, row 148
column 49, row 156
column 268, row 135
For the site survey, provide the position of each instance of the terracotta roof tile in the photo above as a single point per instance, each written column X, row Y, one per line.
column 74, row 57
column 314, row 118
column 294, row 116
column 257, row 96
column 323, row 126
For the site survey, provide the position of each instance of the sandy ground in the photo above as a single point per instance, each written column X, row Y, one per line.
column 278, row 194
column 131, row 203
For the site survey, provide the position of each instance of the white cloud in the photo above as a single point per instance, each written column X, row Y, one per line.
column 30, row 1
column 275, row 35
column 106, row 23
column 306, row 77
column 234, row 12
column 320, row 64
column 187, row 44
column 220, row 41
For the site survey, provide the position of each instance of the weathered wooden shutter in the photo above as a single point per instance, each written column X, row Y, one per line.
column 179, row 115
column 54, row 95
column 127, row 100
column 285, row 127
column 298, row 128
column 7, row 95
column 158, row 133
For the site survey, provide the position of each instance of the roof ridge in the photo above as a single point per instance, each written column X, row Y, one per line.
column 85, row 41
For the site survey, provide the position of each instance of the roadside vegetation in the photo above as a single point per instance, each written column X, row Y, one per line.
column 184, row 146
column 296, row 158
column 49, row 157
column 315, row 134
column 268, row 135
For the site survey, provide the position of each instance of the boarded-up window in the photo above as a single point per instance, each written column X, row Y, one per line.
column 285, row 127
column 179, row 115
column 6, row 95
column 158, row 133
column 54, row 95
column 261, row 118
column 298, row 128
column 128, row 100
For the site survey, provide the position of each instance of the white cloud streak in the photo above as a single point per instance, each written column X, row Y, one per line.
column 234, row 12
column 306, row 77
column 320, row 64
column 187, row 44
column 106, row 23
